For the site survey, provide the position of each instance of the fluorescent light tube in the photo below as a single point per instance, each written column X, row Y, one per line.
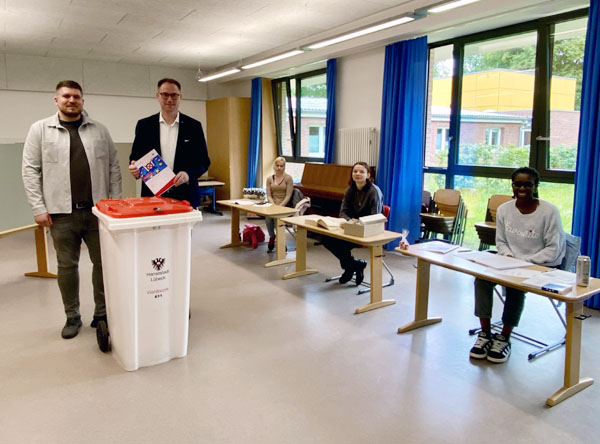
column 218, row 75
column 360, row 33
column 273, row 59
column 450, row 5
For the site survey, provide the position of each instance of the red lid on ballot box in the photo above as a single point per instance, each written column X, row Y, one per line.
column 142, row 206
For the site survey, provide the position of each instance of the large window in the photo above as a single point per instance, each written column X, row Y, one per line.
column 300, row 104
column 508, row 98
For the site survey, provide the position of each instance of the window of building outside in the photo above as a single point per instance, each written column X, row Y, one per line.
column 441, row 139
column 300, row 104
column 493, row 136
column 525, row 136
column 502, row 112
column 316, row 142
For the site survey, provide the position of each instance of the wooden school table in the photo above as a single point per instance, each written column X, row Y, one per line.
column 273, row 211
column 375, row 244
column 574, row 308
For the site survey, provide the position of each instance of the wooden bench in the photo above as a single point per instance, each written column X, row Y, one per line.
column 325, row 184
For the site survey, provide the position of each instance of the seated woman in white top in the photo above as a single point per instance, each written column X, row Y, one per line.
column 527, row 228
column 280, row 187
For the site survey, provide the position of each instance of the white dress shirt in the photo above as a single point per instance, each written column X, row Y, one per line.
column 168, row 140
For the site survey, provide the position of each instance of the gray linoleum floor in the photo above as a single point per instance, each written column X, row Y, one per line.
column 273, row 361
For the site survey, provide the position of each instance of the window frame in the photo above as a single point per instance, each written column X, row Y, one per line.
column 295, row 121
column 539, row 152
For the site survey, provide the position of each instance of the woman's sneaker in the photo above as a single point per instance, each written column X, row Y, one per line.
column 271, row 244
column 500, row 350
column 482, row 345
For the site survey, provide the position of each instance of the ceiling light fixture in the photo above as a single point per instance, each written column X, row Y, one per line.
column 219, row 75
column 274, row 59
column 361, row 32
column 451, row 5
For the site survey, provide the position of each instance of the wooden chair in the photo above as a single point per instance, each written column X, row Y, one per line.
column 487, row 230
column 448, row 217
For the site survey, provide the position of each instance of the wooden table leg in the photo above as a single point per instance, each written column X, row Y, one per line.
column 572, row 382
column 235, row 230
column 41, row 253
column 376, row 260
column 280, row 258
column 421, row 299
column 301, row 269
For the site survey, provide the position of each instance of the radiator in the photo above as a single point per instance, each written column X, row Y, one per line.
column 358, row 145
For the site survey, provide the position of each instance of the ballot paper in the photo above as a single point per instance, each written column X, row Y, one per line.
column 155, row 173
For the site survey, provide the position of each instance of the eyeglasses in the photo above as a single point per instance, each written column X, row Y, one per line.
column 523, row 184
column 174, row 96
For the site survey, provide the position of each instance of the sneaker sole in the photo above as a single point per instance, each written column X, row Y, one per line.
column 476, row 356
column 497, row 360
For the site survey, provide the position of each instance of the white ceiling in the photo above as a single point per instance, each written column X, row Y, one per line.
column 213, row 34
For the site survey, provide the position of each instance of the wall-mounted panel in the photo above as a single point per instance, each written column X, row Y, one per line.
column 117, row 78
column 34, row 73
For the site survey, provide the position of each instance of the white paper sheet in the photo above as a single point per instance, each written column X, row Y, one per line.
column 496, row 261
column 518, row 272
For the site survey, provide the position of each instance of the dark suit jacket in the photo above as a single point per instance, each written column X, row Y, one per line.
column 191, row 154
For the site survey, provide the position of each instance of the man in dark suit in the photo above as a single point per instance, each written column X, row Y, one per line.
column 179, row 140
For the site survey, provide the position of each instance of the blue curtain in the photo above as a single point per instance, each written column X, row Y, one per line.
column 330, row 118
column 586, row 222
column 254, row 142
column 400, row 170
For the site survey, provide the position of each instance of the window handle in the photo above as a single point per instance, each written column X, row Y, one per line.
column 542, row 139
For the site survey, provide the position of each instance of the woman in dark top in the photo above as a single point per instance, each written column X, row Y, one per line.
column 361, row 198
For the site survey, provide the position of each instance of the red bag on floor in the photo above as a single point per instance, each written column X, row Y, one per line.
column 253, row 235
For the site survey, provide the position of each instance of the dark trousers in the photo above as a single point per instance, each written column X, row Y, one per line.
column 342, row 250
column 513, row 304
column 68, row 230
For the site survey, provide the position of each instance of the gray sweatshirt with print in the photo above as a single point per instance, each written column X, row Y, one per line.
column 537, row 237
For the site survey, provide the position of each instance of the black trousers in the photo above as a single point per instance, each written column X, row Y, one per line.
column 342, row 250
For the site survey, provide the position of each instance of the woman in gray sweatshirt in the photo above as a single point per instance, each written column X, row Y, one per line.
column 527, row 228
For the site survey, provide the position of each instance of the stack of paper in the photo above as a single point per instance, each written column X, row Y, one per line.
column 496, row 261
column 438, row 247
column 554, row 281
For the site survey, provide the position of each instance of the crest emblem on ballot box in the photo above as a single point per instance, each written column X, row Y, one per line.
column 158, row 263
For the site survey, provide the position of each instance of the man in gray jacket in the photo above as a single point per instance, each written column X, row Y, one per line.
column 69, row 164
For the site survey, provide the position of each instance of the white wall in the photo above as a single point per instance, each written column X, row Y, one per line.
column 115, row 94
column 359, row 89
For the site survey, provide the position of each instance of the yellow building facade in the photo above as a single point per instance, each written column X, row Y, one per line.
column 504, row 90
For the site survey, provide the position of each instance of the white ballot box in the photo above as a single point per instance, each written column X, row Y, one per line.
column 146, row 249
